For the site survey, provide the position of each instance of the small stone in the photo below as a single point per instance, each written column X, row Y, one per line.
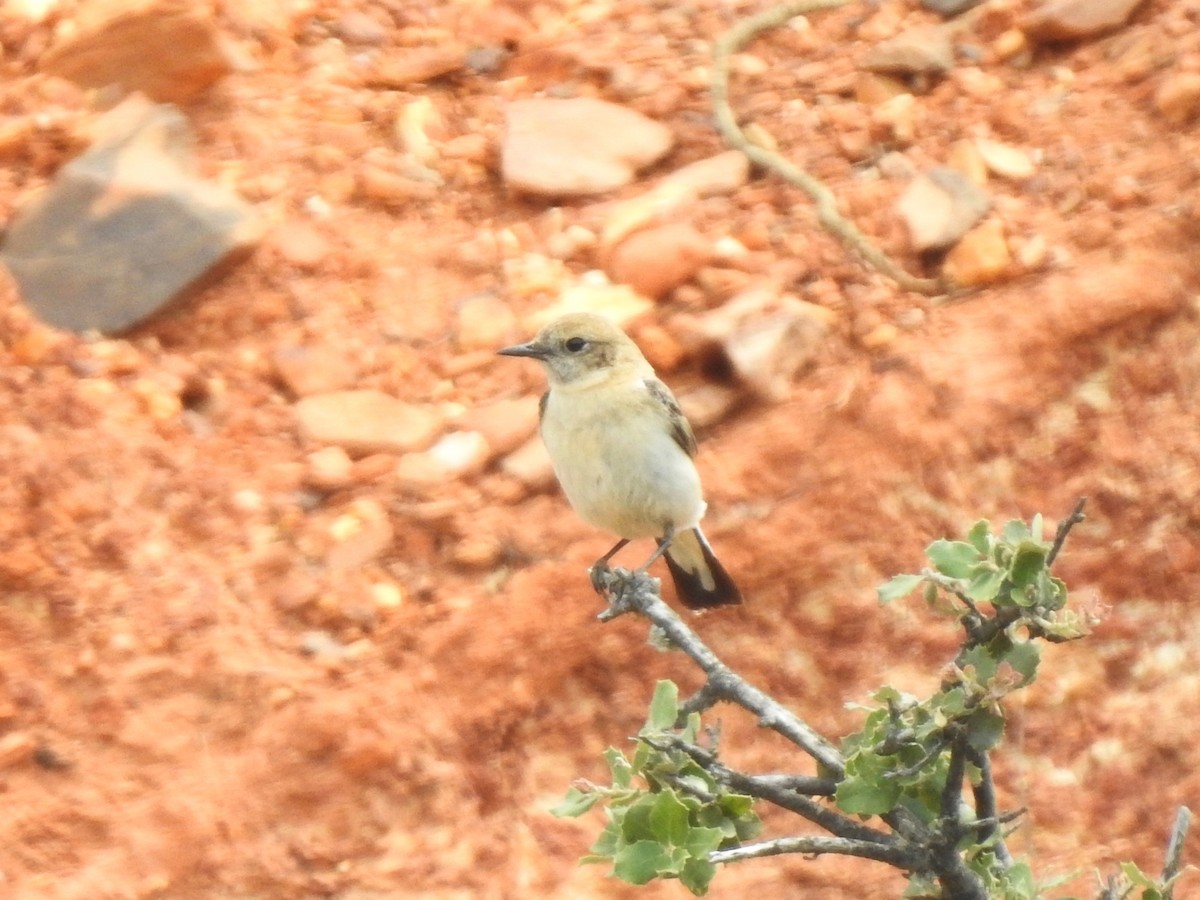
column 1072, row 20
column 530, row 464
column 767, row 339
column 898, row 118
column 125, row 227
column 485, row 322
column 654, row 261
column 359, row 28
column 504, row 424
column 656, row 206
column 709, row 404
column 360, row 540
column 476, row 552
column 301, row 244
column 966, row 159
column 712, row 176
column 322, row 645
column 1010, row 43
column 578, row 146
column 1177, row 98
column 312, row 370
column 415, row 66
column 939, row 207
column 164, row 50
column 328, row 469
column 460, row 453
column 881, row 335
column 392, row 189
column 618, row 302
column 16, row 748
column 1033, row 252
column 923, row 50
column 387, row 595
column 366, row 421
column 949, row 8
column 873, row 88
column 980, row 258
column 1007, row 162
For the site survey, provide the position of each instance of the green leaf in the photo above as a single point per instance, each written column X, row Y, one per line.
column 985, row 584
column 736, row 805
column 702, row 841
column 979, row 536
column 606, row 845
column 897, row 587
column 696, row 875
column 1136, row 876
column 985, row 728
column 664, row 707
column 864, row 791
column 954, row 559
column 1027, row 563
column 618, row 765
column 1023, row 656
column 635, row 824
column 640, row 862
column 669, row 819
column 576, row 803
column 1016, row 531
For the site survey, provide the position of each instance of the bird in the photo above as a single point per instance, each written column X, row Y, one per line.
column 623, row 451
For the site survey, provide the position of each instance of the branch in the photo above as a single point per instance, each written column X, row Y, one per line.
column 985, row 804
column 905, row 858
column 637, row 592
column 827, row 213
column 785, row 791
column 1064, row 528
column 1174, row 860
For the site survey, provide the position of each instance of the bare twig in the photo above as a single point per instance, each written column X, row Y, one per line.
column 901, row 857
column 827, row 213
column 1174, row 860
column 1064, row 528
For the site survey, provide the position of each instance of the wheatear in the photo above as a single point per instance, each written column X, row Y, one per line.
column 622, row 450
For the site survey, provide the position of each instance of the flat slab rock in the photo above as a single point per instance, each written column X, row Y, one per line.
column 126, row 227
column 166, row 49
column 578, row 146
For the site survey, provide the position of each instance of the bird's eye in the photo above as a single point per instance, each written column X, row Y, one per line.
column 575, row 344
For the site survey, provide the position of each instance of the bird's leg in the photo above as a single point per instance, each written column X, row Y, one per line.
column 664, row 544
column 600, row 566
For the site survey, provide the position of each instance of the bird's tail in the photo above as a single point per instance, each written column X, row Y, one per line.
column 700, row 579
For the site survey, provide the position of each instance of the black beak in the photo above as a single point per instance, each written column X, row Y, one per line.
column 532, row 350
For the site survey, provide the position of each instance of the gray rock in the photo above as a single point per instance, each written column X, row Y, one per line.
column 950, row 7
column 124, row 228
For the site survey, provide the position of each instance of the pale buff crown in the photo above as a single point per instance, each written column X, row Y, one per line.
column 580, row 350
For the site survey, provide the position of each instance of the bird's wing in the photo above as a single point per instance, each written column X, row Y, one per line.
column 680, row 429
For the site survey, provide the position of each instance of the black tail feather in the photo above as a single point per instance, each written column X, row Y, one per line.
column 690, row 584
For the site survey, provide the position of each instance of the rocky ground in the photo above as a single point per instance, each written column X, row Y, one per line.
column 262, row 637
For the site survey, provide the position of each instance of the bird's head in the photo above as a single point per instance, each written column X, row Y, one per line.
column 581, row 349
